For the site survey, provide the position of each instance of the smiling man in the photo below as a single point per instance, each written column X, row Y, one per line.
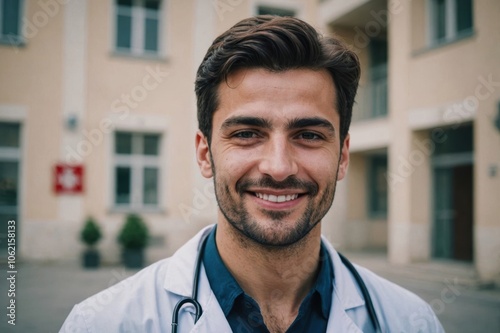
column 274, row 154
column 274, row 106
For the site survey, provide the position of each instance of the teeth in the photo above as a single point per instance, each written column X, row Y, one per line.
column 277, row 198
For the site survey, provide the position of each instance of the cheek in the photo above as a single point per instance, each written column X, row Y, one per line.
column 322, row 166
column 233, row 164
column 323, row 175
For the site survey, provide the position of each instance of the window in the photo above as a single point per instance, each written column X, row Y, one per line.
column 10, row 135
column 377, row 86
column 450, row 20
column 10, row 21
column 265, row 10
column 138, row 26
column 377, row 182
column 136, row 170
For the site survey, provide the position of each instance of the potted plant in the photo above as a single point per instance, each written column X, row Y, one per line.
column 90, row 235
column 133, row 237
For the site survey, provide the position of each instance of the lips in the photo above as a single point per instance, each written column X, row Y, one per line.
column 277, row 192
column 277, row 198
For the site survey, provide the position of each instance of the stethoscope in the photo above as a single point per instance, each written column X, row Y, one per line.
column 198, row 309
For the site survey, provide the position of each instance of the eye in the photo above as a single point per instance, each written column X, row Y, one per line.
column 309, row 136
column 245, row 135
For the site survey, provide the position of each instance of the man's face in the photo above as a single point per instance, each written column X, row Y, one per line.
column 275, row 153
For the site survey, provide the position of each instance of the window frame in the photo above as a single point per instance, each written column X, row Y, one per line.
column 451, row 30
column 138, row 27
column 137, row 162
column 19, row 39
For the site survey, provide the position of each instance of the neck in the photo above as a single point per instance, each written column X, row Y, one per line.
column 277, row 276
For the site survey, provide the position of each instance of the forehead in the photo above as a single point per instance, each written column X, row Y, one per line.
column 289, row 94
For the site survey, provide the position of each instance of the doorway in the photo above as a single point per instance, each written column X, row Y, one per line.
column 9, row 181
column 453, row 192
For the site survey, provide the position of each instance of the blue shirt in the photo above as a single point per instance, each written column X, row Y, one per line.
column 243, row 313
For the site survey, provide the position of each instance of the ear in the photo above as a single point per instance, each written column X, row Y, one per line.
column 203, row 155
column 344, row 158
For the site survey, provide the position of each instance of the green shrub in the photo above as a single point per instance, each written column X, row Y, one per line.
column 91, row 233
column 134, row 234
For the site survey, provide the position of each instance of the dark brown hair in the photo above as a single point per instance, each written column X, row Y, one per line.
column 276, row 44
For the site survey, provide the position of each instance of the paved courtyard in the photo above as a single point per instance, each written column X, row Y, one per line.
column 46, row 292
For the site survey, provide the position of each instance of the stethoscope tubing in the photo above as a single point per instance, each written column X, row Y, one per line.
column 364, row 290
column 194, row 297
column 199, row 310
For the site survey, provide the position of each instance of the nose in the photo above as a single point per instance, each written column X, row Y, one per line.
column 279, row 160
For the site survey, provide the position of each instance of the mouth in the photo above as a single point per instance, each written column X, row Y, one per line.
column 275, row 198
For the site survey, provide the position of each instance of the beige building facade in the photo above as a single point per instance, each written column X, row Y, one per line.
column 423, row 182
column 108, row 85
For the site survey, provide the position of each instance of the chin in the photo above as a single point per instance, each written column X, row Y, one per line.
column 274, row 233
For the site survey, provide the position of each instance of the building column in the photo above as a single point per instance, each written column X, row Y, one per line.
column 487, row 186
column 71, row 213
column 399, row 173
column 201, row 210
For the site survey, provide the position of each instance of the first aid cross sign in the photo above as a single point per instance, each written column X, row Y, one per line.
column 68, row 179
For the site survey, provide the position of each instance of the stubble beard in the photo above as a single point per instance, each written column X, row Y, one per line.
column 232, row 206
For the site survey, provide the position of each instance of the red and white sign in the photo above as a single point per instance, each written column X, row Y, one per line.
column 68, row 179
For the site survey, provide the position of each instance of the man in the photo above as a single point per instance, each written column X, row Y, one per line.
column 274, row 107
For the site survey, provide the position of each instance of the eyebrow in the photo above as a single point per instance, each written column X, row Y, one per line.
column 293, row 124
column 298, row 123
column 248, row 121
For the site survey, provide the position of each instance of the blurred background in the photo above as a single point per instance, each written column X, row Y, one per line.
column 98, row 117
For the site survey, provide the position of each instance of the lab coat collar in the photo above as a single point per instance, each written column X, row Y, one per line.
column 181, row 268
column 344, row 283
column 179, row 281
column 346, row 296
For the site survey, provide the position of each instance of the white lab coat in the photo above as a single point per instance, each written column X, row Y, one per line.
column 144, row 302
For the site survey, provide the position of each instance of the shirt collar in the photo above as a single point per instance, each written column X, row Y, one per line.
column 227, row 290
column 223, row 284
column 324, row 281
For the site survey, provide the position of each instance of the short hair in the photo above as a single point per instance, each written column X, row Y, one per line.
column 276, row 44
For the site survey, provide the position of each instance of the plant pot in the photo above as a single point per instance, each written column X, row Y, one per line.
column 91, row 258
column 133, row 258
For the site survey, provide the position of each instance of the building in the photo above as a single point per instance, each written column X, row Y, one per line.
column 108, row 86
column 423, row 181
